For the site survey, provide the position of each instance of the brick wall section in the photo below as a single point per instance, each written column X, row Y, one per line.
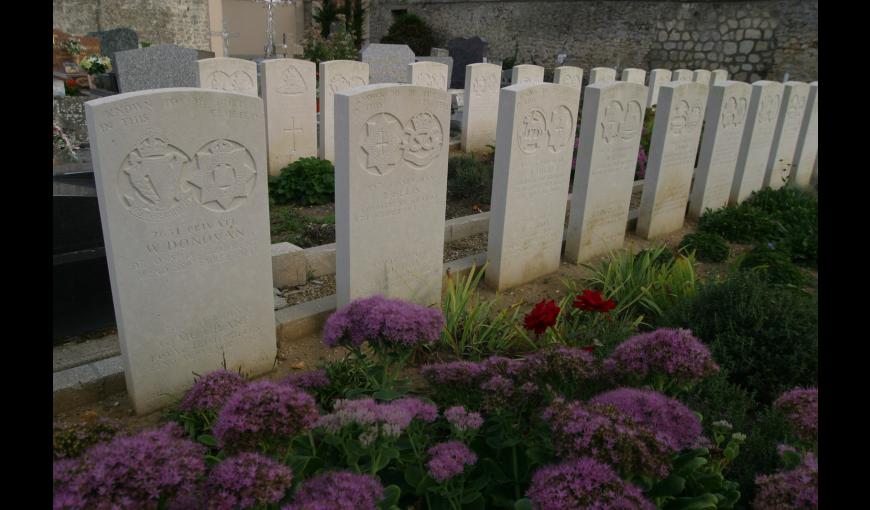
column 751, row 39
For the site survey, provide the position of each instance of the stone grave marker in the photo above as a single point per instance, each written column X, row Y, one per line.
column 390, row 192
column 601, row 74
column 181, row 184
column 527, row 73
column 717, row 76
column 480, row 110
column 59, row 88
column 673, row 148
column 657, row 77
column 724, row 123
column 569, row 75
column 764, row 104
column 439, row 52
column 534, row 147
column 156, row 67
column 465, row 51
column 604, row 174
column 808, row 140
column 701, row 76
column 115, row 40
column 336, row 76
column 815, row 179
column 388, row 63
column 228, row 74
column 634, row 75
column 682, row 75
column 428, row 74
column 289, row 89
column 448, row 61
column 785, row 137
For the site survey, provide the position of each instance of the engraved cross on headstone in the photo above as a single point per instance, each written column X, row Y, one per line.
column 292, row 130
column 225, row 34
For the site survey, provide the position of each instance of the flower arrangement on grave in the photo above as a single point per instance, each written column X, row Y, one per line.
column 71, row 87
column 72, row 46
column 96, row 64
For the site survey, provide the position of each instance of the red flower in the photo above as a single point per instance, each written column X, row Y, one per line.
column 589, row 348
column 593, row 301
column 542, row 316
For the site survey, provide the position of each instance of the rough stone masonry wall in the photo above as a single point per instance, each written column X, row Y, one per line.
column 751, row 39
column 181, row 22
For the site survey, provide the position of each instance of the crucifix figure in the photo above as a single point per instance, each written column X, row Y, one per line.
column 225, row 34
column 292, row 130
column 270, row 31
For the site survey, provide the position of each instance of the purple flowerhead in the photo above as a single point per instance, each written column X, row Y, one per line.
column 449, row 459
column 463, row 420
column 583, row 483
column 379, row 320
column 801, row 408
column 131, row 472
column 338, row 490
column 674, row 424
column 671, row 353
column 376, row 419
column 456, row 373
column 211, row 391
column 794, row 489
column 247, row 480
column 308, row 380
column 418, row 409
column 263, row 411
column 560, row 364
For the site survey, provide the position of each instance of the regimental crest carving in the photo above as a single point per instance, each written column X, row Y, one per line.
column 733, row 112
column 382, row 144
column 686, row 118
column 482, row 84
column 796, row 105
column 435, row 80
column 573, row 79
column 291, row 82
column 225, row 175
column 533, row 131
column 621, row 121
column 239, row 81
column 150, row 180
column 768, row 108
column 423, row 140
column 561, row 128
column 342, row 82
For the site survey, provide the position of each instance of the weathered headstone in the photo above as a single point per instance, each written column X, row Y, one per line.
column 527, row 73
column 764, row 104
column 634, row 75
column 673, row 148
column 115, row 40
column 657, row 77
column 59, row 88
column 336, row 76
column 391, row 192
column 428, row 74
column 785, row 137
column 808, row 140
column 289, row 90
column 604, row 174
column 388, row 63
column 682, row 75
column 601, row 74
column 181, row 184
column 480, row 110
column 534, row 147
column 718, row 76
column 472, row 50
column 228, row 74
column 156, row 67
column 724, row 123
column 701, row 76
column 439, row 52
column 204, row 54
column 569, row 75
column 448, row 61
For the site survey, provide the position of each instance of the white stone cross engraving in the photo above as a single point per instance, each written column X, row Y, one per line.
column 292, row 130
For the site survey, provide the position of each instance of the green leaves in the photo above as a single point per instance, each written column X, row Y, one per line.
column 207, row 440
column 391, row 498
column 310, row 181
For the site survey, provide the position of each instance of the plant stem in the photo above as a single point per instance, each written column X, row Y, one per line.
column 311, row 441
column 516, row 473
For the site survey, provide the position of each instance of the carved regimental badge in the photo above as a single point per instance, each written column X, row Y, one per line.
column 621, row 121
column 150, row 181
column 768, row 108
column 225, row 175
column 239, row 81
column 382, row 144
column 480, row 85
column 342, row 82
column 291, row 82
column 422, row 140
column 686, row 118
column 560, row 130
column 532, row 134
column 733, row 112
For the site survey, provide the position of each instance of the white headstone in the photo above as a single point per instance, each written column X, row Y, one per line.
column 634, row 75
column 428, row 74
column 701, row 76
column 387, row 62
column 785, row 138
column 724, row 121
column 228, row 74
column 181, row 184
column 534, row 148
column 289, row 89
column 815, row 179
column 59, row 88
column 569, row 75
column 600, row 74
column 604, row 174
column 480, row 112
column 673, row 147
column 527, row 73
column 808, row 141
column 657, row 77
column 391, row 191
column 682, row 75
column 764, row 104
column 718, row 76
column 336, row 76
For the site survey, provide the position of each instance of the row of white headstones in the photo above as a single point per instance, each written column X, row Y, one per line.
column 181, row 178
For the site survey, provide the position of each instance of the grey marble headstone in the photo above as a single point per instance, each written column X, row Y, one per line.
column 59, row 89
column 388, row 63
column 115, row 40
column 441, row 60
column 156, row 67
column 471, row 50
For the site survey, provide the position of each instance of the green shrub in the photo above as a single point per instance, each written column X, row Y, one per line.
column 765, row 337
column 738, row 224
column 469, row 177
column 758, row 454
column 336, row 46
column 412, row 30
column 716, row 398
column 797, row 213
column 310, row 181
column 706, row 246
column 773, row 266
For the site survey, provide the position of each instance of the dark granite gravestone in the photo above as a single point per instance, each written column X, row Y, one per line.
column 464, row 51
column 156, row 67
column 115, row 40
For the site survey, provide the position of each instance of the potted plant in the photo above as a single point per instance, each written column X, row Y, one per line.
column 96, row 64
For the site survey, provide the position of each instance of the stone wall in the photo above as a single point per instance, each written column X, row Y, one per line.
column 181, row 22
column 751, row 39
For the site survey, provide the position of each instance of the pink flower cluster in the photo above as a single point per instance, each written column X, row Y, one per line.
column 583, row 483
column 674, row 353
column 246, row 480
column 462, row 419
column 378, row 319
column 377, row 419
column 338, row 490
column 449, row 460
column 801, row 408
column 211, row 391
column 794, row 489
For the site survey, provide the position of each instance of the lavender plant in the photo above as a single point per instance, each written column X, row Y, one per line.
column 246, row 480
